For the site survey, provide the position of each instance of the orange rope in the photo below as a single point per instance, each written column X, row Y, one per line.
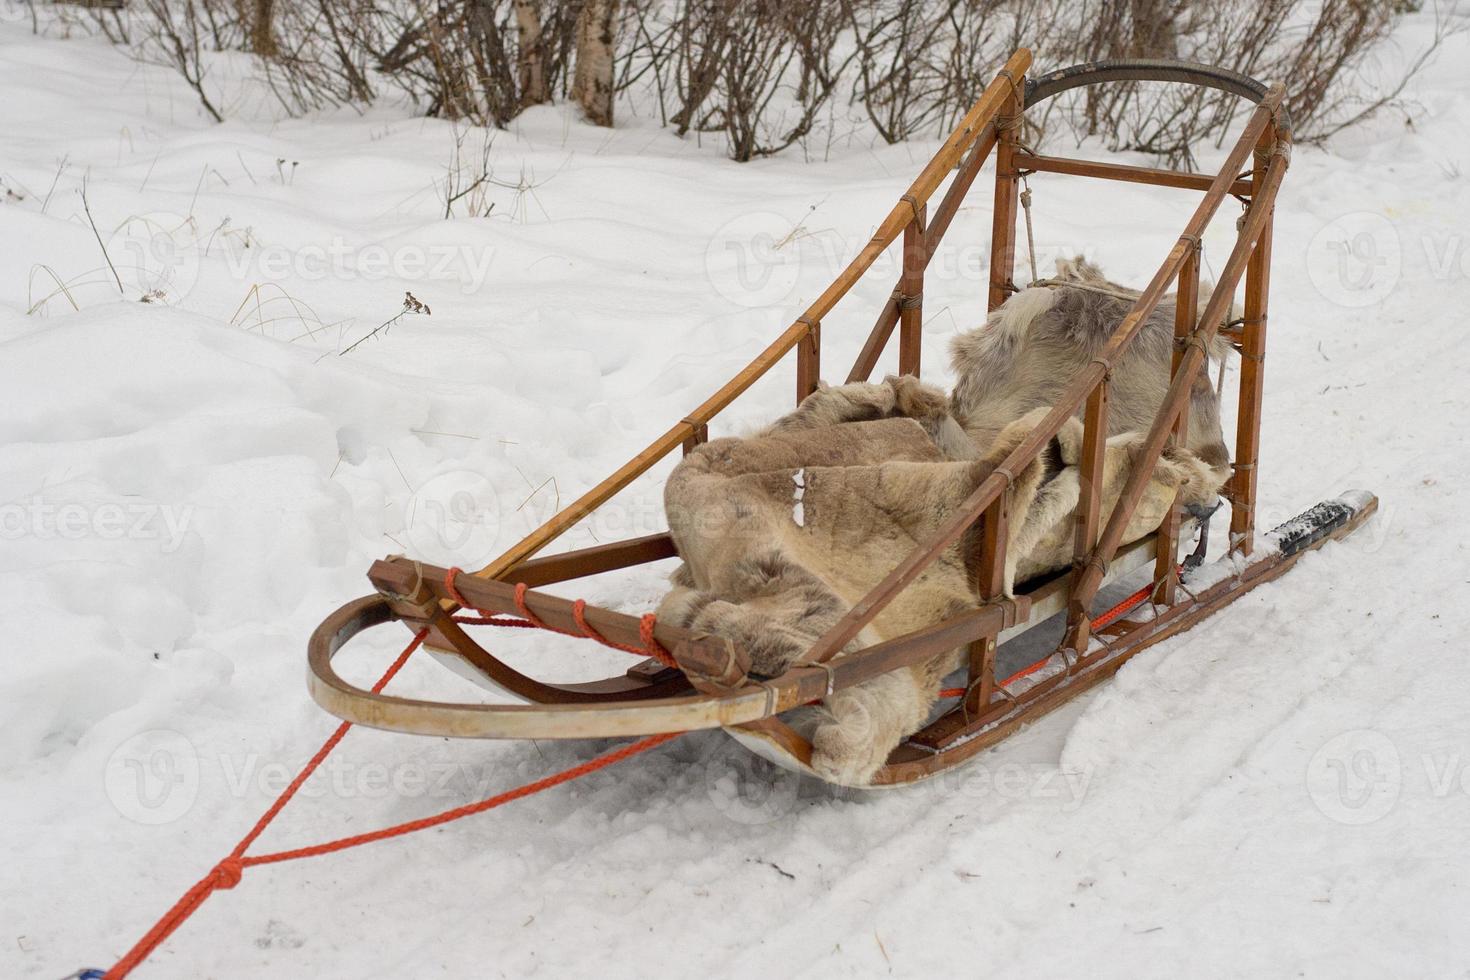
column 226, row 874
column 1121, row 609
column 651, row 647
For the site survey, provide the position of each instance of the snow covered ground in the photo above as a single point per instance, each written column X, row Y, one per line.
column 188, row 485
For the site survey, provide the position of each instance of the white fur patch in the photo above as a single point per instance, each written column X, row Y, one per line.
column 798, row 510
column 1016, row 315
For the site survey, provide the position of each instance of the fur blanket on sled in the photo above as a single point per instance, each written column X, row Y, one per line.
column 780, row 533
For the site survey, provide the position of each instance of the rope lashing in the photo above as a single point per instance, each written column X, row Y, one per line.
column 1030, row 233
column 646, row 623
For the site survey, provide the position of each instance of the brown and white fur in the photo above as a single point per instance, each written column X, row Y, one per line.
column 1032, row 347
column 783, row 532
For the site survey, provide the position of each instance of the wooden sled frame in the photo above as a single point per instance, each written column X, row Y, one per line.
column 712, row 689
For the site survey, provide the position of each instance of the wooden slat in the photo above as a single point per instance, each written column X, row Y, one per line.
column 1003, row 219
column 809, row 362
column 877, row 340
column 596, row 560
column 698, row 436
column 1186, row 302
column 1123, row 172
column 1089, row 506
column 1242, row 490
column 980, row 687
column 911, row 288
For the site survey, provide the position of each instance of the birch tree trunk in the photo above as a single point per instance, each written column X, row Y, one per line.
column 592, row 85
column 262, row 40
column 531, row 66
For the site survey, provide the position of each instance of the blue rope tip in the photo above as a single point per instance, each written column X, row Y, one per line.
column 87, row 975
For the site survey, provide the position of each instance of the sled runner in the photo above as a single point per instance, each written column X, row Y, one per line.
column 689, row 681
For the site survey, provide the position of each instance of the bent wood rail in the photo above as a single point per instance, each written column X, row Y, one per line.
column 652, row 698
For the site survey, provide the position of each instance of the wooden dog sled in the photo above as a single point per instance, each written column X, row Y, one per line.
column 697, row 682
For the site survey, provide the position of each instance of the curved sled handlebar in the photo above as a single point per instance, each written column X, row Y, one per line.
column 1042, row 87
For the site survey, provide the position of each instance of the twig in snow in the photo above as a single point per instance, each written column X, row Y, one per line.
column 60, row 167
column 400, row 471
column 411, row 304
column 150, row 171
column 432, row 432
column 115, row 277
column 245, row 168
column 533, row 493
column 61, row 289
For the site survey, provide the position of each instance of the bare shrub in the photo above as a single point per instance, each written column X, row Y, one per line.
column 482, row 60
column 758, row 71
column 761, row 73
column 177, row 35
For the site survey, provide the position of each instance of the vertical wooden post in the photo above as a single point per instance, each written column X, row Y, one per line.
column 981, row 685
column 911, row 293
column 1089, row 513
column 1242, row 492
column 696, row 438
column 1007, row 183
column 989, row 585
column 808, row 360
column 1186, row 303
